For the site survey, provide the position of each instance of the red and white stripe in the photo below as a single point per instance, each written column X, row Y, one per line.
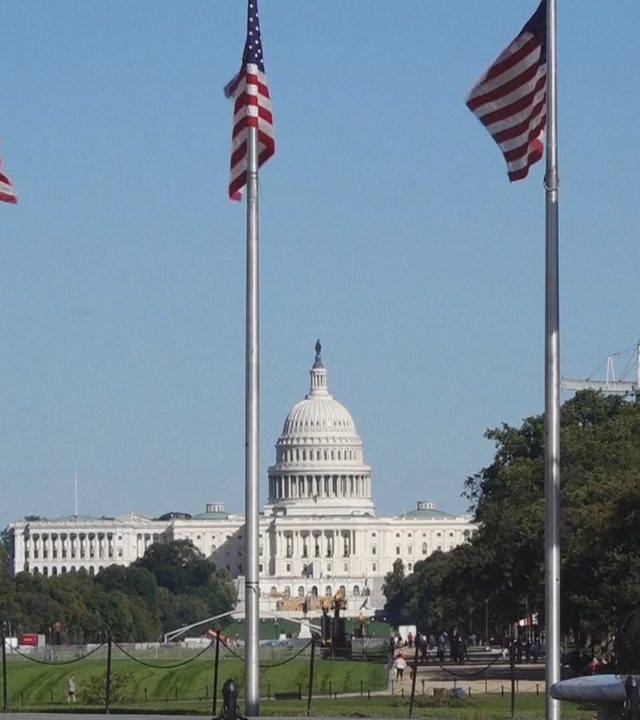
column 510, row 100
column 7, row 193
column 251, row 108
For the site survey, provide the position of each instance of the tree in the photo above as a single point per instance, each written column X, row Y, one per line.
column 504, row 562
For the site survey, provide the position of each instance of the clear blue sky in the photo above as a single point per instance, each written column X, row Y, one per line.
column 388, row 229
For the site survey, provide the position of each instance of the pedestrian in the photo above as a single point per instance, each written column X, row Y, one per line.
column 71, row 689
column 399, row 664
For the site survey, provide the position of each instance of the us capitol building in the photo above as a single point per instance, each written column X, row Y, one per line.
column 319, row 532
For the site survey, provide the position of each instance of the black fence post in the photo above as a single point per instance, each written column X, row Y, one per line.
column 413, row 680
column 311, row 663
column 215, row 674
column 107, row 694
column 5, row 694
column 512, row 661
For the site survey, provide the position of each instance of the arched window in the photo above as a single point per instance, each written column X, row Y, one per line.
column 36, row 571
column 45, row 571
column 64, row 570
column 356, row 590
column 304, row 454
column 92, row 570
column 54, row 570
column 342, row 590
column 300, row 591
column 317, row 454
column 314, row 591
column 327, row 591
column 424, row 548
column 287, row 591
column 339, row 458
column 274, row 590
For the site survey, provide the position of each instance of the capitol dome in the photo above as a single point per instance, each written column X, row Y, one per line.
column 319, row 456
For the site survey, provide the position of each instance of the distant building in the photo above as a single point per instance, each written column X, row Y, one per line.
column 319, row 532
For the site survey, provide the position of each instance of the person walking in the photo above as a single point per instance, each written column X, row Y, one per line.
column 71, row 689
column 400, row 664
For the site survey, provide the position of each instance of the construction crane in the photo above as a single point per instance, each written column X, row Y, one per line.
column 611, row 384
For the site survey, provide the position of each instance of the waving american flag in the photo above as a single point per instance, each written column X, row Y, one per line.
column 251, row 106
column 510, row 99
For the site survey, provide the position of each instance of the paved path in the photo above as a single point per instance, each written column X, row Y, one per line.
column 486, row 672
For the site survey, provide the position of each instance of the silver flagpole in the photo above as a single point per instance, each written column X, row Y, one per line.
column 252, row 435
column 552, row 382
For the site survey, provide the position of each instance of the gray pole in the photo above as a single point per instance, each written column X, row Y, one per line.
column 552, row 382
column 252, row 434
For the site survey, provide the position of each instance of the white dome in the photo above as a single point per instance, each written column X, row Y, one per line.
column 320, row 415
column 319, row 455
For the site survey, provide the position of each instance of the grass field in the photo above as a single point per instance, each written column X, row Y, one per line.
column 488, row 707
column 33, row 685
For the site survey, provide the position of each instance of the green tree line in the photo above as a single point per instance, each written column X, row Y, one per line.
column 172, row 585
column 499, row 574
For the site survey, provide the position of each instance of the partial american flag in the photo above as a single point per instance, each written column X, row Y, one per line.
column 510, row 100
column 251, row 106
column 7, row 193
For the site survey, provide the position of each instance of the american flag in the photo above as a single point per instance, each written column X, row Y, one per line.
column 510, row 99
column 7, row 193
column 251, row 106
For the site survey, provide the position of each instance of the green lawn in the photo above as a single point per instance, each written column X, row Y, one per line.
column 33, row 685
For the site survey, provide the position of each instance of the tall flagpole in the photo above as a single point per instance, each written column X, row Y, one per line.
column 552, row 382
column 252, row 435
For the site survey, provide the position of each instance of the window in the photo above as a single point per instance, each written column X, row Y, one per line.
column 450, row 534
column 327, row 591
column 314, row 591
column 439, row 534
column 261, row 551
column 328, row 567
column 410, row 550
column 287, row 591
column 274, row 590
column 345, row 567
column 397, row 549
column 374, row 567
column 342, row 590
column 240, row 569
column 288, row 567
column 373, row 534
column 409, row 535
column 410, row 567
column 261, row 568
column 300, row 591
column 374, row 550
column 424, row 548
column 356, row 590
column 397, row 534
